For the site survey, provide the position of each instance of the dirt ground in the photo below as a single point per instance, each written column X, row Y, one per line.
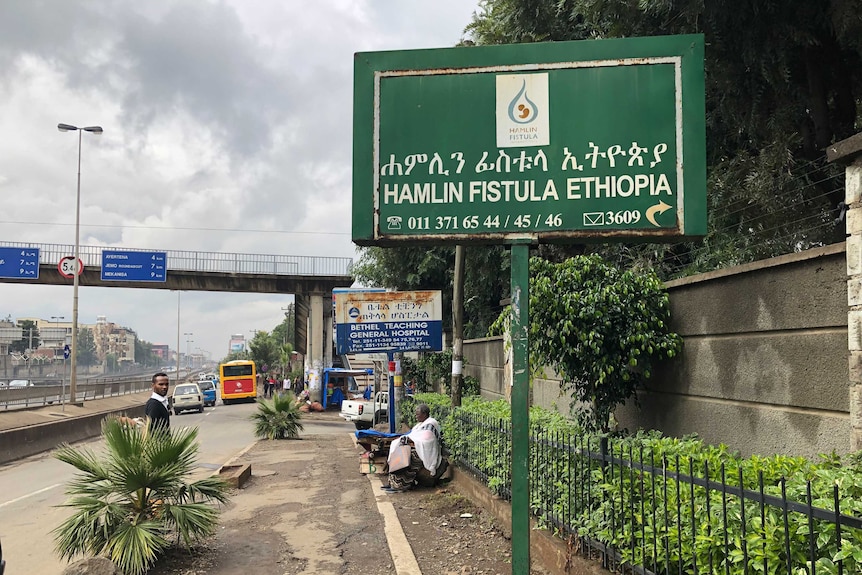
column 308, row 511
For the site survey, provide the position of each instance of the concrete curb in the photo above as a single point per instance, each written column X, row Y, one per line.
column 402, row 554
column 550, row 552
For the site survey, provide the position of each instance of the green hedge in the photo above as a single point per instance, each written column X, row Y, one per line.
column 653, row 520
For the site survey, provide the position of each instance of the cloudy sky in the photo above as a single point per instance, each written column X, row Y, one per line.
column 227, row 128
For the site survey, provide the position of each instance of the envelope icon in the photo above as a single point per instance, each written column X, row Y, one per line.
column 594, row 218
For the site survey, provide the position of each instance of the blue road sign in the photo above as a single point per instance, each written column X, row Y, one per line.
column 20, row 263
column 67, row 351
column 132, row 266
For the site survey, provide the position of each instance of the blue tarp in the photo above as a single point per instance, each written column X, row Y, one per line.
column 360, row 433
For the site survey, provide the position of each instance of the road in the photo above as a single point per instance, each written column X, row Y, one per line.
column 32, row 489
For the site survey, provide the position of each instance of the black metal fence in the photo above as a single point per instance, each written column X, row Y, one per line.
column 644, row 512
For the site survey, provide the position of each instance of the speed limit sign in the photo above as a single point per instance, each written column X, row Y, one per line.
column 66, row 267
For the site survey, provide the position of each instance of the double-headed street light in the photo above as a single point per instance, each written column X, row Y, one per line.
column 188, row 341
column 73, row 380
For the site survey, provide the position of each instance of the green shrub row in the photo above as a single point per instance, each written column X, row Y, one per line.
column 653, row 519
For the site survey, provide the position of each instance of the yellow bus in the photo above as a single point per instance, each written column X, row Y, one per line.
column 238, row 381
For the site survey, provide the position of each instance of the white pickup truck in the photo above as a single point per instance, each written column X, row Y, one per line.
column 364, row 413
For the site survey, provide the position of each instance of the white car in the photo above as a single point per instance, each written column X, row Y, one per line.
column 20, row 383
column 187, row 396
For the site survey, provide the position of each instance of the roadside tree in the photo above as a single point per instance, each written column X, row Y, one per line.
column 30, row 337
column 600, row 329
column 783, row 82
column 265, row 351
column 86, row 349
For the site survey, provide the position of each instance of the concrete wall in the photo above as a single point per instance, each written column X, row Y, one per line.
column 26, row 441
column 764, row 367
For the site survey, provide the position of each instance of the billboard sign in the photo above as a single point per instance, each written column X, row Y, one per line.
column 367, row 322
column 237, row 343
column 543, row 142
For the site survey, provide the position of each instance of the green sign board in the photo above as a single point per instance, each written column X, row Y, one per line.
column 544, row 142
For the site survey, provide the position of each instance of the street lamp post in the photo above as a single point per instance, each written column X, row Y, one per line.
column 178, row 336
column 73, row 380
column 188, row 341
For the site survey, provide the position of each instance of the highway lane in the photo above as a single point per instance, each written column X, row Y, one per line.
column 32, row 489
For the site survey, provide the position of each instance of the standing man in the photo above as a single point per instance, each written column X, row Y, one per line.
column 157, row 406
column 285, row 385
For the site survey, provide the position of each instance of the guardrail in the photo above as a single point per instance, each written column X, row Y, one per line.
column 42, row 395
column 48, row 391
column 214, row 262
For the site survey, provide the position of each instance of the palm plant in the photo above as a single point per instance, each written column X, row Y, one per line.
column 130, row 500
column 277, row 418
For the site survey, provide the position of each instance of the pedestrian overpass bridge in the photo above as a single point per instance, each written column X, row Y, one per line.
column 310, row 279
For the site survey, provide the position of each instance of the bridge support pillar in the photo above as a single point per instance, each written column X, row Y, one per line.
column 315, row 358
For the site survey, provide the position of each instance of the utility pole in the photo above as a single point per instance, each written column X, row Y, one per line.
column 457, row 325
column 29, row 353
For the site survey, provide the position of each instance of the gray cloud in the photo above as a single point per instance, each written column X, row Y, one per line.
column 222, row 114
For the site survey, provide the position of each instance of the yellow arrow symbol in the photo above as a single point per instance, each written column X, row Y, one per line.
column 659, row 208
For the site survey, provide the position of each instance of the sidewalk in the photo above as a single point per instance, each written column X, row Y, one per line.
column 306, row 509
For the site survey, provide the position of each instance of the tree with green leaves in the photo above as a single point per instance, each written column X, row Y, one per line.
column 600, row 329
column 29, row 337
column 144, row 354
column 783, row 82
column 86, row 348
column 265, row 351
column 486, row 278
column 127, row 501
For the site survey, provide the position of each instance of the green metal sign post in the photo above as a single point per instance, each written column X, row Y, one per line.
column 520, row 271
column 599, row 140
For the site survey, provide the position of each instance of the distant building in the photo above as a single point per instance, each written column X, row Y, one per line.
column 54, row 335
column 162, row 351
column 9, row 332
column 112, row 339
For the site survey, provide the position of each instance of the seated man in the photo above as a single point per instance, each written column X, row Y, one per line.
column 426, row 464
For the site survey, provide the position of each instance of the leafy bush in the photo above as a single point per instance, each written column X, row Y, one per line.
column 600, row 329
column 656, row 520
column 130, row 499
column 434, row 368
column 277, row 418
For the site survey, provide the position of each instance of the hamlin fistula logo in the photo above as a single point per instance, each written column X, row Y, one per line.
column 522, row 110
